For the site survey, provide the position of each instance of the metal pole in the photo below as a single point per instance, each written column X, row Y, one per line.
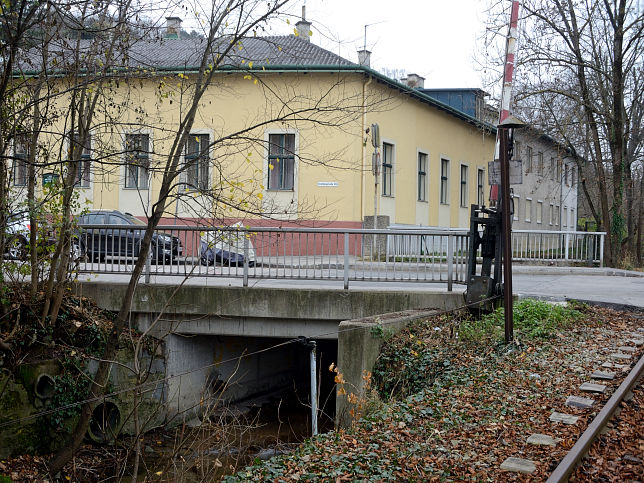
column 507, row 247
column 148, row 265
column 314, row 390
column 450, row 262
column 346, row 261
column 246, row 247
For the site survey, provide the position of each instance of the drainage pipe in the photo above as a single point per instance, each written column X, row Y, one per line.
column 314, row 390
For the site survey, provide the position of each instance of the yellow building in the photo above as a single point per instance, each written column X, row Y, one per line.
column 284, row 132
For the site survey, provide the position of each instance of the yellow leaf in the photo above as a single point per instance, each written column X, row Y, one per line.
column 255, row 81
column 250, row 65
column 296, row 33
column 288, row 22
column 260, row 195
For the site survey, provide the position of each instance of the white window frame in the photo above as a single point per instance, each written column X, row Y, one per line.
column 20, row 161
column 444, row 192
column 564, row 216
column 267, row 159
column 388, row 168
column 528, row 159
column 425, row 177
column 184, row 174
column 138, row 132
column 552, row 214
column 539, row 213
column 528, row 210
column 265, row 169
column 464, row 185
column 85, row 158
column 517, row 207
column 557, row 214
column 480, row 186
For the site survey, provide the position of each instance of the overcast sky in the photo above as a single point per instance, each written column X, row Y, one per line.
column 433, row 38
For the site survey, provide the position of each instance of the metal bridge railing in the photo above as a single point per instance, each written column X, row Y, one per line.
column 410, row 254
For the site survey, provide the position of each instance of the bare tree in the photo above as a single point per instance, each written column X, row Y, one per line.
column 580, row 80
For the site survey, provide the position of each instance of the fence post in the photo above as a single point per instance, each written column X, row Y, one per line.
column 601, row 249
column 590, row 248
column 346, row 261
column 450, row 262
column 148, row 264
column 245, row 283
column 567, row 241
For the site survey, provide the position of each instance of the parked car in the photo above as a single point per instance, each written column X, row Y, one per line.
column 226, row 248
column 125, row 239
column 17, row 239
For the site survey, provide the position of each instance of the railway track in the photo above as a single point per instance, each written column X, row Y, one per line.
column 576, row 454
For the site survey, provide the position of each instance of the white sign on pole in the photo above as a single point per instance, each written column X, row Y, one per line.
column 494, row 172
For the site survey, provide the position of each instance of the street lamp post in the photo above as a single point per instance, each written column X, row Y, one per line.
column 505, row 131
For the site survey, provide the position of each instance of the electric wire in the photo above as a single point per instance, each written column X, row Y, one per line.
column 156, row 382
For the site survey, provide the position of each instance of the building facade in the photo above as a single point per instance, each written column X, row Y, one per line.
column 283, row 135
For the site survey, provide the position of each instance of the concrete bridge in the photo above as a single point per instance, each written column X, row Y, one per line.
column 207, row 328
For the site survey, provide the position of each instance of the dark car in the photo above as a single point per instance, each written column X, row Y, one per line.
column 122, row 237
column 17, row 239
column 213, row 255
column 226, row 247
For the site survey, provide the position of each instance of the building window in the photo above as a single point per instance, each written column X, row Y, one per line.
column 559, row 171
column 564, row 221
column 464, row 175
column 281, row 161
column 573, row 220
column 480, row 183
column 83, row 164
column 539, row 211
column 516, row 207
column 557, row 215
column 422, row 177
column 197, row 162
column 528, row 210
column 137, row 160
column 566, row 179
column 20, row 155
column 387, row 169
column 540, row 163
column 552, row 214
column 528, row 159
column 444, row 181
column 516, row 150
column 553, row 167
column 573, row 176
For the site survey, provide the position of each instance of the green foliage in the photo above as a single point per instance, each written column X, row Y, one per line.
column 71, row 387
column 91, row 338
column 532, row 319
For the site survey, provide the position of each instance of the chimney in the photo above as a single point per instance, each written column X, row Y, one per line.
column 303, row 27
column 415, row 81
column 364, row 57
column 172, row 27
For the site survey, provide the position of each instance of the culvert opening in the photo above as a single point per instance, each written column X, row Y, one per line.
column 45, row 386
column 271, row 386
column 105, row 422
